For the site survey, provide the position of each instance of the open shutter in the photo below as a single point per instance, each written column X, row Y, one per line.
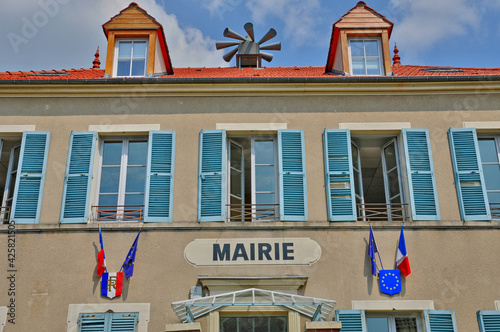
column 31, row 175
column 352, row 320
column 78, row 178
column 489, row 321
column 420, row 172
column 124, row 322
column 160, row 177
column 340, row 195
column 212, row 176
column 292, row 175
column 440, row 321
column 469, row 179
column 91, row 322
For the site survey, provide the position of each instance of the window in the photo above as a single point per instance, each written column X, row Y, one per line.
column 395, row 321
column 122, row 178
column 254, row 323
column 252, row 178
column 131, row 57
column 364, row 176
column 488, row 151
column 134, row 178
column 365, row 55
column 22, row 196
column 469, row 178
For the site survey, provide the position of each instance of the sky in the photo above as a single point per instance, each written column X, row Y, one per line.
column 64, row 34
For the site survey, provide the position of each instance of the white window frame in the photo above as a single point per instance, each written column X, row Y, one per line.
column 75, row 310
column 380, row 54
column 117, row 50
column 9, row 176
column 392, row 315
column 253, row 139
column 496, row 139
column 123, row 166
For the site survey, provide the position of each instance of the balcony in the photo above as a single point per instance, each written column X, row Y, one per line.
column 252, row 212
column 382, row 212
column 495, row 210
column 103, row 213
column 5, row 214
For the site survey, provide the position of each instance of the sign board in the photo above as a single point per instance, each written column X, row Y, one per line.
column 259, row 251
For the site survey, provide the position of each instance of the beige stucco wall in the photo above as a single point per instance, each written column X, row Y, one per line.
column 452, row 261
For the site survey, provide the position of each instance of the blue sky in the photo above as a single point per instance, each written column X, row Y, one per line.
column 64, row 34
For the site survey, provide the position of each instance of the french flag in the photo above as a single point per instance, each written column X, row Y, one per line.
column 402, row 262
column 112, row 284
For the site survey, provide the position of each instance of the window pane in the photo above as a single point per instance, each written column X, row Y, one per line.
column 372, row 66
column 138, row 67
column 112, row 153
column 110, row 179
column 236, row 183
column 134, row 200
column 107, row 206
column 108, row 200
column 228, row 325
column 261, row 324
column 492, row 177
column 123, row 68
column 139, row 49
column 390, row 156
column 358, row 66
column 494, row 197
column 371, row 48
column 406, row 324
column 138, row 153
column 488, row 150
column 264, row 178
column 264, row 152
column 236, row 156
column 124, row 49
column 278, row 324
column 357, row 48
column 265, row 199
column 136, row 179
column 377, row 324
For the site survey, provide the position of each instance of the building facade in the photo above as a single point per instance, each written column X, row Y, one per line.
column 255, row 190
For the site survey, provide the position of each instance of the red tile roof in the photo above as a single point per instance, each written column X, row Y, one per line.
column 232, row 72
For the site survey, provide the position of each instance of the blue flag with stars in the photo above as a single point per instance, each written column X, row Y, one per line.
column 390, row 281
column 128, row 265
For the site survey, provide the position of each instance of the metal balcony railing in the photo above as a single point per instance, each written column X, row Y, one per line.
column 117, row 212
column 5, row 214
column 252, row 212
column 495, row 210
column 382, row 212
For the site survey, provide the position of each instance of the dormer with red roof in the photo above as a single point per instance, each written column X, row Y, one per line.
column 360, row 43
column 136, row 45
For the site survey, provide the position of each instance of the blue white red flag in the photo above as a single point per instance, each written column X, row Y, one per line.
column 111, row 284
column 372, row 249
column 128, row 265
column 402, row 262
column 101, row 258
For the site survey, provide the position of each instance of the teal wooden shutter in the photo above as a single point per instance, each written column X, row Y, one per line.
column 124, row 322
column 352, row 320
column 340, row 195
column 160, row 177
column 78, row 178
column 212, row 176
column 420, row 172
column 91, row 322
column 469, row 179
column 30, row 179
column 292, row 175
column 440, row 321
column 489, row 321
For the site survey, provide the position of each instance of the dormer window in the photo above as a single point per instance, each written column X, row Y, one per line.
column 132, row 58
column 365, row 56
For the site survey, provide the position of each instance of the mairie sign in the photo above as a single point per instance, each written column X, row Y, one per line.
column 260, row 251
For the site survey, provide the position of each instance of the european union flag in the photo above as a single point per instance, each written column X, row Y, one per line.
column 372, row 249
column 128, row 265
column 390, row 281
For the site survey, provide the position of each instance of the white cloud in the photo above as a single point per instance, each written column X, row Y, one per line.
column 64, row 34
column 298, row 16
column 423, row 23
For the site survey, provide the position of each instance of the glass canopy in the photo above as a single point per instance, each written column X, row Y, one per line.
column 316, row 309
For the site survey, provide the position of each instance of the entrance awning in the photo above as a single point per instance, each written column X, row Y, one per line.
column 315, row 308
